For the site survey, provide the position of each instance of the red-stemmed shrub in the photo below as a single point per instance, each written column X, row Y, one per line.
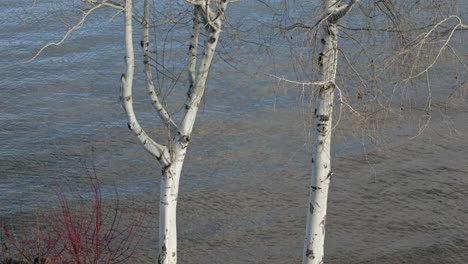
column 75, row 233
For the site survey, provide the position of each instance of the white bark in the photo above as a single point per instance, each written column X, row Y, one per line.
column 157, row 150
column 171, row 174
column 321, row 162
column 168, row 216
column 171, row 158
column 158, row 106
column 193, row 51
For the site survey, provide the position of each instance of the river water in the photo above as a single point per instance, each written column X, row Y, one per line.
column 244, row 188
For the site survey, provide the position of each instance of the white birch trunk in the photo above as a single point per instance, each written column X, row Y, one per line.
column 171, row 174
column 153, row 94
column 159, row 151
column 171, row 158
column 321, row 162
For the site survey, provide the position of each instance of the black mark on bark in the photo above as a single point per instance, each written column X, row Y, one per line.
column 323, row 226
column 323, row 118
column 315, row 188
column 162, row 255
column 184, row 139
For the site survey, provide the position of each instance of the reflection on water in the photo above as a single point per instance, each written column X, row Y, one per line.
column 245, row 180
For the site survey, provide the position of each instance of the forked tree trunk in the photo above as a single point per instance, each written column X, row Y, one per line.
column 171, row 174
column 321, row 162
column 171, row 158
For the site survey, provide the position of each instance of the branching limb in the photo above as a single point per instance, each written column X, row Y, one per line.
column 353, row 68
column 455, row 53
column 195, row 2
column 446, row 42
column 341, row 11
column 282, row 79
column 79, row 24
column 68, row 33
column 331, row 17
column 159, row 151
column 297, row 25
column 213, row 29
column 163, row 113
column 193, row 51
column 202, row 2
column 343, row 102
column 113, row 4
column 107, row 3
column 332, row 83
column 207, row 16
column 428, row 109
column 384, row 29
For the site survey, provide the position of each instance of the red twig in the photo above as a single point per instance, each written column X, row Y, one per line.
column 76, row 235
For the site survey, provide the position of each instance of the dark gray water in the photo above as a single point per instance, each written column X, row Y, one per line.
column 244, row 186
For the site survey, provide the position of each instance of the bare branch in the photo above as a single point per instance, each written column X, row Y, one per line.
column 282, row 79
column 193, row 50
column 207, row 15
column 195, row 2
column 210, row 44
column 79, row 24
column 297, row 25
column 106, row 3
column 67, row 34
column 424, row 41
column 159, row 151
column 428, row 109
column 341, row 11
column 352, row 68
column 163, row 113
column 342, row 101
column 385, row 29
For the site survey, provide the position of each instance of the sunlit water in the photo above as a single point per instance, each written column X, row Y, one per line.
column 245, row 181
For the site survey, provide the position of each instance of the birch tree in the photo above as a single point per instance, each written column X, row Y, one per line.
column 383, row 70
column 207, row 18
column 321, row 163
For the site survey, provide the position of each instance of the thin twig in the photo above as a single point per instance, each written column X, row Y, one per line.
column 67, row 34
column 342, row 101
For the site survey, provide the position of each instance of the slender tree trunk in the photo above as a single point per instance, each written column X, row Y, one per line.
column 321, row 163
column 171, row 173
column 321, row 160
column 167, row 215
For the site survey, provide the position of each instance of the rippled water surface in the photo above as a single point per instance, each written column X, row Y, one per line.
column 245, row 180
